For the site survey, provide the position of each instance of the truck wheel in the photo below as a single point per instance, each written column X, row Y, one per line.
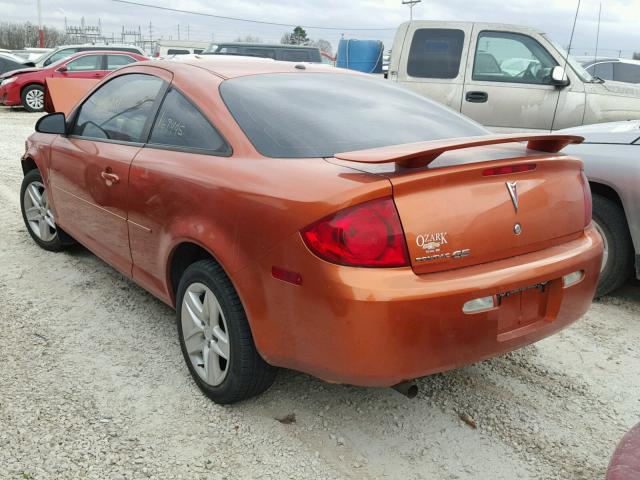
column 33, row 98
column 215, row 337
column 617, row 261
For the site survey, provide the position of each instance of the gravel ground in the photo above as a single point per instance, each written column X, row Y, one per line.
column 93, row 385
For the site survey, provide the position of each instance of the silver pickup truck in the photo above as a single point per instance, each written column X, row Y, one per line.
column 506, row 77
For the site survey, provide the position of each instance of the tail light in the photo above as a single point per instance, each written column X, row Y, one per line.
column 156, row 54
column 588, row 202
column 367, row 235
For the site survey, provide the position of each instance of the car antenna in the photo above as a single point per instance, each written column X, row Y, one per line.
column 595, row 55
column 566, row 60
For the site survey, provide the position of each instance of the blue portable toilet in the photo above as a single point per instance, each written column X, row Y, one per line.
column 361, row 55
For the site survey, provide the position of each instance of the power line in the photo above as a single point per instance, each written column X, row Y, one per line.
column 158, row 7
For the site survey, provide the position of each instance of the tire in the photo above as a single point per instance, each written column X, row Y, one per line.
column 33, row 98
column 208, row 311
column 617, row 265
column 41, row 222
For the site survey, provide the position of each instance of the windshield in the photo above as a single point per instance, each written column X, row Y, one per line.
column 304, row 115
column 575, row 65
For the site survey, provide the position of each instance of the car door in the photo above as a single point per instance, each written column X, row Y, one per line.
column 508, row 83
column 86, row 66
column 89, row 168
column 433, row 59
column 167, row 188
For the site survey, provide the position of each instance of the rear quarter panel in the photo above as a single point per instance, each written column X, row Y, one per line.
column 616, row 166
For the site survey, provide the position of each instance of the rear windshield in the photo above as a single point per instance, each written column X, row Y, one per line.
column 304, row 115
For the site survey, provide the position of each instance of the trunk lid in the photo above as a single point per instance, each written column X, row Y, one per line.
column 468, row 207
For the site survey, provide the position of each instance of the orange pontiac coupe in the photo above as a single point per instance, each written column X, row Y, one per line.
column 302, row 216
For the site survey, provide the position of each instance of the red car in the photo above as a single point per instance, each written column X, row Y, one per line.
column 26, row 87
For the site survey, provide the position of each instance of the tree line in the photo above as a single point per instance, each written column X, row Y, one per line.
column 16, row 36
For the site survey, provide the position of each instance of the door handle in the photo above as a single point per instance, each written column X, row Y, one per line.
column 476, row 97
column 109, row 178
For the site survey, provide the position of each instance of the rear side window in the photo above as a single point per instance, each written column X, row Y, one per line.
column 181, row 125
column 321, row 114
column 626, row 72
column 198, row 50
column 86, row 63
column 117, row 61
column 177, row 51
column 294, row 55
column 603, row 70
column 260, row 52
column 435, row 53
column 119, row 110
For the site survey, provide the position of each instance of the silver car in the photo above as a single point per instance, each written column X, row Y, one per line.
column 611, row 155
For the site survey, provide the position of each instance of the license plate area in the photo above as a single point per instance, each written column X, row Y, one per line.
column 522, row 310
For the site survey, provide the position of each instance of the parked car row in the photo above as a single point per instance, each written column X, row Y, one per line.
column 26, row 87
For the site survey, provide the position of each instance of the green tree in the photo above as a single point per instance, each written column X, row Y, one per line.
column 297, row 37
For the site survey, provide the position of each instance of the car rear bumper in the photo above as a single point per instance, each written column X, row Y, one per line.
column 378, row 327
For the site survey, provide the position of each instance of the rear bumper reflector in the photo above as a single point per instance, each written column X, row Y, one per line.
column 572, row 278
column 479, row 305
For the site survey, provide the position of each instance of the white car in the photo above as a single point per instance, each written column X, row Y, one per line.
column 610, row 154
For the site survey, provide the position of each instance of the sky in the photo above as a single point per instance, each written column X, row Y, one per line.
column 618, row 29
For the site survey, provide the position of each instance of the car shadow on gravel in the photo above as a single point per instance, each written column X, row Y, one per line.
column 628, row 294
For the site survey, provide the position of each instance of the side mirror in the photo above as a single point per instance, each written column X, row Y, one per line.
column 559, row 77
column 63, row 69
column 54, row 123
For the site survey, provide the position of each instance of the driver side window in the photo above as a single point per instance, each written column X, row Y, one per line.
column 119, row 110
column 513, row 58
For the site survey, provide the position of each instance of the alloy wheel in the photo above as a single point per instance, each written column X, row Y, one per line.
column 38, row 212
column 605, row 253
column 35, row 99
column 205, row 334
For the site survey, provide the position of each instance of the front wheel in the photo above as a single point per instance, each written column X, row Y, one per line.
column 37, row 214
column 617, row 261
column 33, row 98
column 215, row 337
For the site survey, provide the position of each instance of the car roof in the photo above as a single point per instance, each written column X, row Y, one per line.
column 229, row 66
column 590, row 60
column 99, row 45
column 263, row 45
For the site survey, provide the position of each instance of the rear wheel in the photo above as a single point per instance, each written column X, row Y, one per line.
column 617, row 261
column 215, row 337
column 33, row 98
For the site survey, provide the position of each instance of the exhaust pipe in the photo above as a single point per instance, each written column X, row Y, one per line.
column 409, row 388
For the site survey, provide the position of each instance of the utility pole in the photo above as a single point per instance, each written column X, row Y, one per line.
column 40, row 30
column 411, row 4
column 178, row 31
column 598, row 34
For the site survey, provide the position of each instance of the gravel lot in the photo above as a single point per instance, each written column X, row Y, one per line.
column 93, row 385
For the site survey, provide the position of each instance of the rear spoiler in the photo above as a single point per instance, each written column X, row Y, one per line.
column 62, row 94
column 421, row 154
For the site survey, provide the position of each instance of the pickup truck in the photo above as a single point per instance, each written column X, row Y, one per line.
column 506, row 77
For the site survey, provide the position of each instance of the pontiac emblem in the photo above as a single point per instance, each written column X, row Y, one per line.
column 513, row 192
